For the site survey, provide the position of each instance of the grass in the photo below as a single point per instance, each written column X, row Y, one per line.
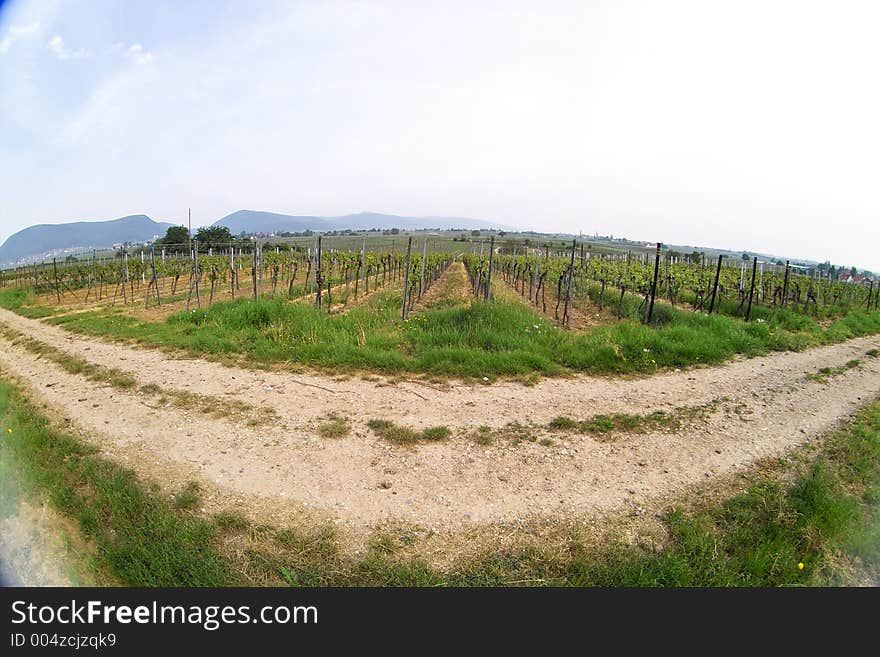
column 483, row 435
column 821, row 508
column 404, row 435
column 476, row 340
column 514, row 433
column 633, row 423
column 23, row 302
column 139, row 539
column 188, row 497
column 826, row 373
column 334, row 427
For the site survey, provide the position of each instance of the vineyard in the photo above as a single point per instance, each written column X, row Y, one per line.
column 630, row 286
column 332, row 278
column 625, row 284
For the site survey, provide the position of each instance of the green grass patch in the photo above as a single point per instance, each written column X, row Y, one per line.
column 335, row 427
column 473, row 340
column 826, row 373
column 23, row 302
column 404, row 435
column 483, row 435
column 436, row 433
column 633, row 423
column 188, row 497
column 139, row 539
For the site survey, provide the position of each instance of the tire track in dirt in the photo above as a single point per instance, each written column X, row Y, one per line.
column 362, row 481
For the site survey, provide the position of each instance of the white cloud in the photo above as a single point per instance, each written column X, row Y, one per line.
column 138, row 55
column 56, row 45
column 17, row 33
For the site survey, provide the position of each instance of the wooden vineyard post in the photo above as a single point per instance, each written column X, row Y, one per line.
column 360, row 269
column 654, row 285
column 196, row 265
column 254, row 274
column 478, row 279
column 752, row 288
column 533, row 288
column 232, row 271
column 491, row 263
column 91, row 275
column 422, row 277
column 513, row 269
column 155, row 277
column 318, row 280
column 568, row 284
column 260, row 267
column 57, row 289
column 785, row 282
column 392, row 263
column 363, row 270
column 124, row 278
column 406, row 277
column 715, row 285
column 312, row 254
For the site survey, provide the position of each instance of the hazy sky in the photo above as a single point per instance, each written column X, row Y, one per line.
column 743, row 125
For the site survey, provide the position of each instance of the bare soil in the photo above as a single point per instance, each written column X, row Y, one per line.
column 765, row 407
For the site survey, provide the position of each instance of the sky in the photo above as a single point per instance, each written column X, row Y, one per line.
column 741, row 125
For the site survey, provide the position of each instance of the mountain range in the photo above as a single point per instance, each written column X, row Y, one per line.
column 252, row 221
column 52, row 238
column 46, row 240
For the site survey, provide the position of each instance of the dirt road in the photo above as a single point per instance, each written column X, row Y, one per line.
column 361, row 480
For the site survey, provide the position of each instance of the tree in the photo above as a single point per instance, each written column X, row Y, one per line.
column 745, row 256
column 214, row 236
column 176, row 239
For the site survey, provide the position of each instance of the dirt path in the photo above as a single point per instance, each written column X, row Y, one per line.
column 452, row 288
column 361, row 480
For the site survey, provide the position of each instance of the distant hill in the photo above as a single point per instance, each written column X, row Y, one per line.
column 251, row 221
column 45, row 239
column 42, row 239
